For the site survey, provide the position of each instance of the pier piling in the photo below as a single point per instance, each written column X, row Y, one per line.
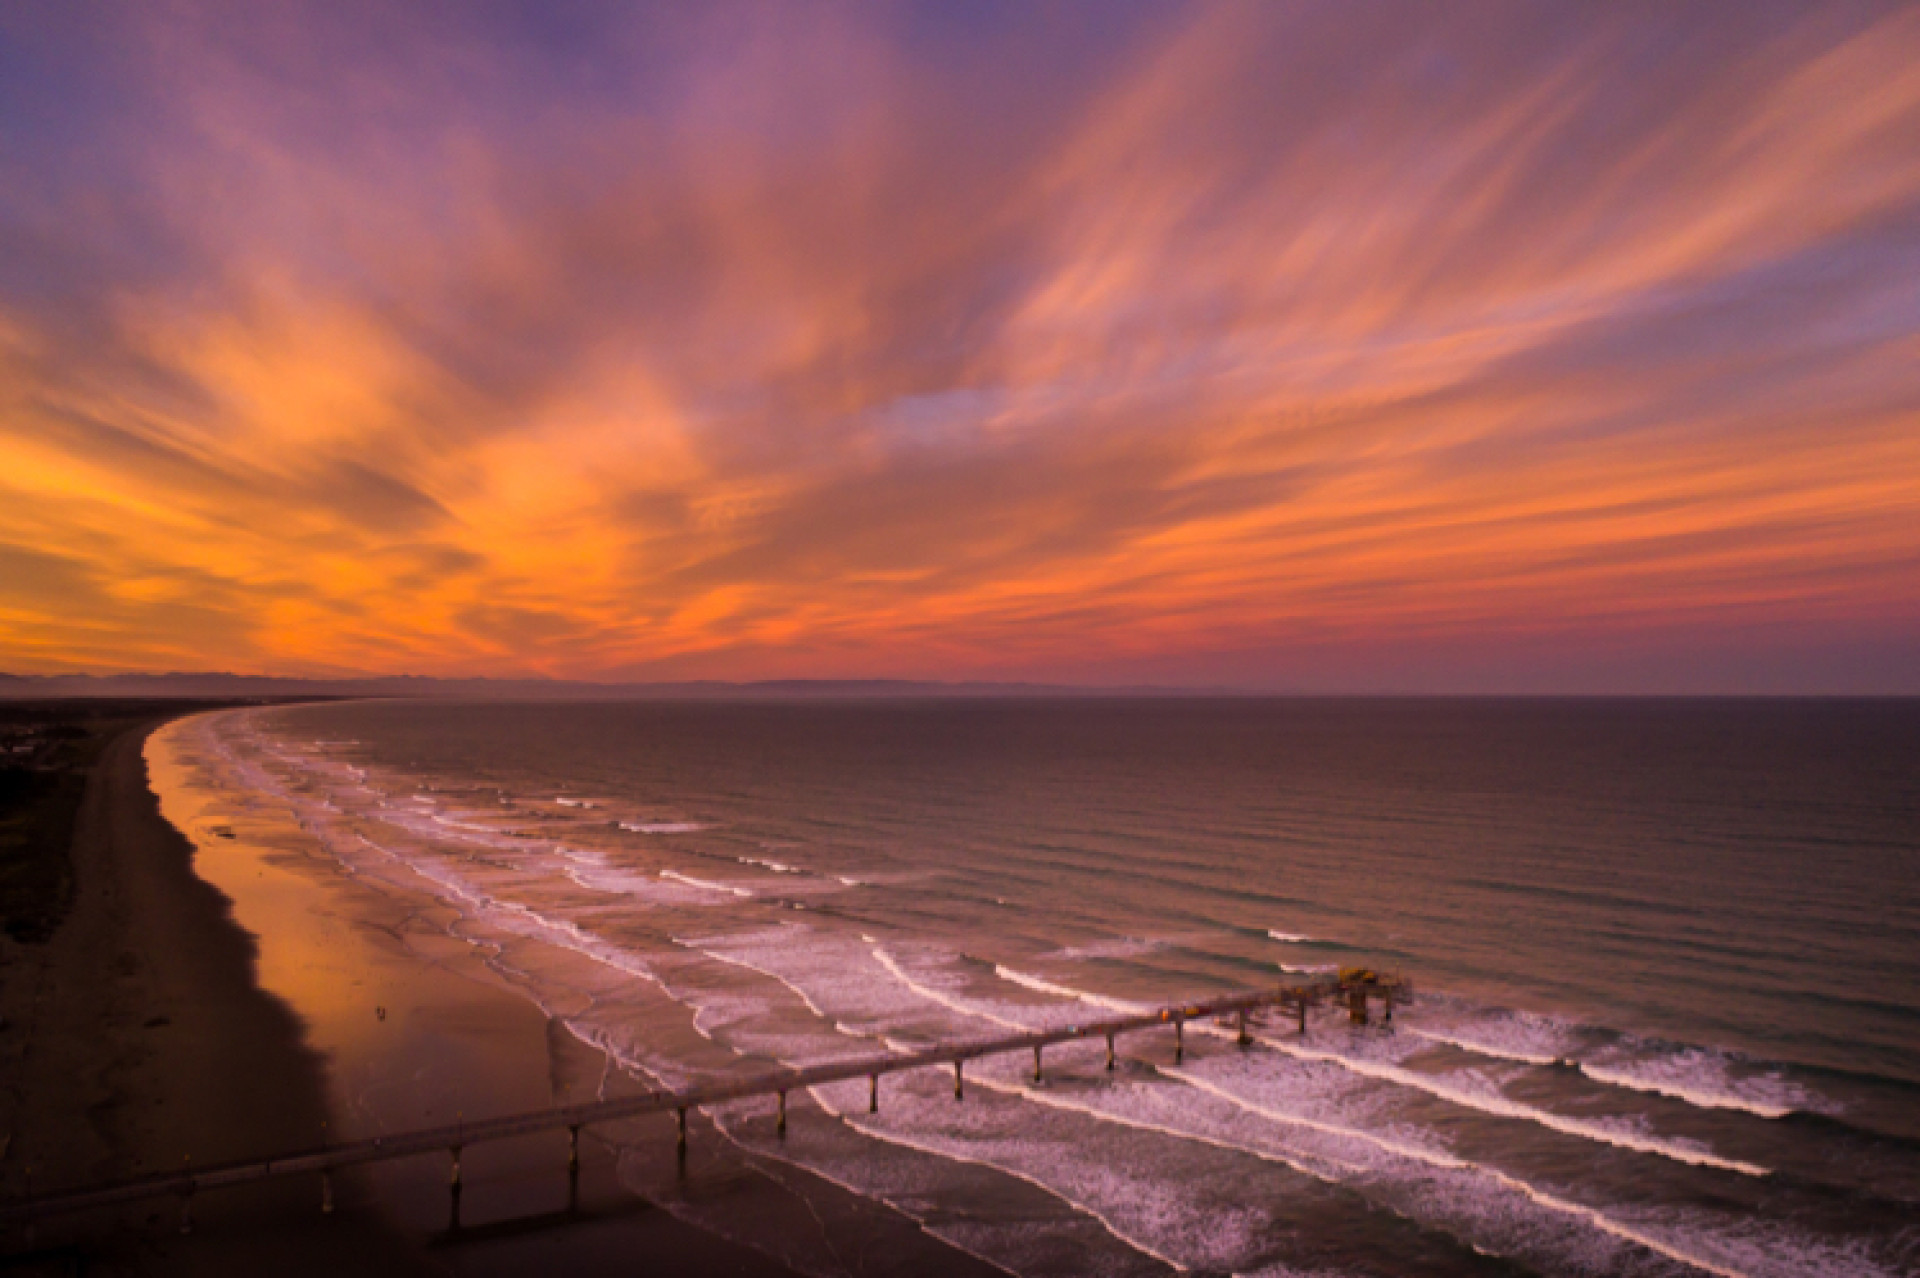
column 957, row 1094
column 1109, row 1052
column 1179, row 1040
column 453, row 1193
column 780, row 1123
column 573, row 1168
column 1036, row 1062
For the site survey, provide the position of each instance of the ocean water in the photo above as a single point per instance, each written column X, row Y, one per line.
column 1668, row 1008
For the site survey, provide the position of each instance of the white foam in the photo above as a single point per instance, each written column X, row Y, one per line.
column 465, row 825
column 828, row 971
column 711, row 886
column 565, row 802
column 736, row 961
column 778, row 867
column 1500, row 1106
column 894, row 1138
column 1486, row 1102
column 597, row 876
column 941, row 997
column 862, row 1192
column 1044, row 986
column 518, row 919
column 1052, row 1101
column 609, row 882
column 1599, row 1220
column 1118, row 947
column 1697, row 1076
column 1290, row 938
column 1489, row 1049
column 662, row 827
column 1697, row 1093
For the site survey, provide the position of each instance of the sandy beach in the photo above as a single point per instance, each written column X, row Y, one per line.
column 138, row 1041
column 154, row 1032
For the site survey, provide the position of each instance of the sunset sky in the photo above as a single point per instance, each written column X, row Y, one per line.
column 1310, row 347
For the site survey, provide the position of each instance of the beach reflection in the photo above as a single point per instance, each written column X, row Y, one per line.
column 413, row 1028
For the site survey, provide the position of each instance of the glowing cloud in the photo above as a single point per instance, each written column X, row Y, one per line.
column 1283, row 346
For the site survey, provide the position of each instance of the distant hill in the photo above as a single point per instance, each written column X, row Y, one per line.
column 215, row 684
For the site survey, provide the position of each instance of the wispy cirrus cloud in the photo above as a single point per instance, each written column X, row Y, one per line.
column 1289, row 346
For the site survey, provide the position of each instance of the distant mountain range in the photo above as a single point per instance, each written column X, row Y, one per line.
column 213, row 684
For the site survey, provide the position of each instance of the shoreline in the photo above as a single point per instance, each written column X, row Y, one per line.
column 148, row 1034
column 139, row 1041
column 413, row 1026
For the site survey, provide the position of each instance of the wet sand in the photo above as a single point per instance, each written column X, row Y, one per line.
column 138, row 1041
column 141, row 1038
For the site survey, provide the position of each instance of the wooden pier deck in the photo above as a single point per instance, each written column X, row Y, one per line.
column 1350, row 987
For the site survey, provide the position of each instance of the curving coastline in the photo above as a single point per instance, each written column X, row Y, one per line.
column 149, row 1033
column 415, row 1028
column 143, row 1042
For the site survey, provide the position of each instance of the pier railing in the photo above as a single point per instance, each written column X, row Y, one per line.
column 1352, row 987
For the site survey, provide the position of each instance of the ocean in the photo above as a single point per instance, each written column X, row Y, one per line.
column 1667, row 1017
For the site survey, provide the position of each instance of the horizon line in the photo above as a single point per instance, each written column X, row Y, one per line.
column 516, row 687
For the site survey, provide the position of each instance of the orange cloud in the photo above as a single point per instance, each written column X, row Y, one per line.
column 1288, row 348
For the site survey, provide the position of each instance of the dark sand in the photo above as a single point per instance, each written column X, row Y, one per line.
column 138, row 1042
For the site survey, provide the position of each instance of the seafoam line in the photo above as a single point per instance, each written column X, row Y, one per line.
column 1599, row 1220
column 703, row 883
column 1177, row 1133
column 1697, row 1097
column 1488, row 1049
column 938, row 996
column 1496, row 1105
column 1693, row 1096
column 932, row 1151
column 868, row 1194
column 839, row 1027
column 894, row 1138
column 1446, row 1161
column 1043, row 986
column 534, row 925
column 1501, row 1107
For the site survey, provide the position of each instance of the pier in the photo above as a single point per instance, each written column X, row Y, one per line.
column 1355, row 988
